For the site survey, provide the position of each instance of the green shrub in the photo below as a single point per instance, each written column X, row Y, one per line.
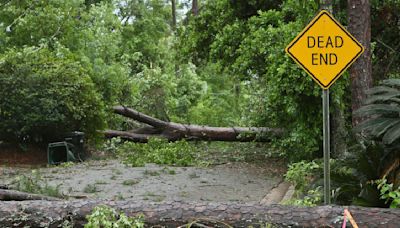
column 311, row 199
column 301, row 174
column 91, row 188
column 46, row 93
column 35, row 184
column 389, row 193
column 159, row 151
column 106, row 217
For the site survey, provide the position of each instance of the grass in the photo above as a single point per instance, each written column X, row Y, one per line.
column 154, row 197
column 158, row 151
column 119, row 196
column 116, row 171
column 36, row 184
column 91, row 188
column 193, row 175
column 100, row 182
column 66, row 164
column 151, row 173
column 130, row 182
column 169, row 171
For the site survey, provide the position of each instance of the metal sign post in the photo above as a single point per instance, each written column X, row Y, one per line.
column 327, row 146
column 325, row 49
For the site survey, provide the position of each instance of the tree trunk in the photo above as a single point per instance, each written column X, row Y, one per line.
column 173, row 3
column 12, row 195
column 176, row 131
column 195, row 7
column 174, row 214
column 359, row 14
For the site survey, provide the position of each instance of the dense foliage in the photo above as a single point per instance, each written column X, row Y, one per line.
column 158, row 151
column 43, row 95
column 64, row 64
column 107, row 217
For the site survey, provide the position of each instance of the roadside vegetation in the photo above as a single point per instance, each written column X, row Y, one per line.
column 221, row 65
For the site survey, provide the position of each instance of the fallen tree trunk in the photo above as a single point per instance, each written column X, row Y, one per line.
column 176, row 131
column 174, row 214
column 13, row 195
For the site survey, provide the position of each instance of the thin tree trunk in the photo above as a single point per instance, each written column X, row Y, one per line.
column 173, row 2
column 176, row 131
column 195, row 7
column 174, row 214
column 359, row 15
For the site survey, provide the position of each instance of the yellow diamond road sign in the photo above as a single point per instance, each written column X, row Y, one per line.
column 324, row 49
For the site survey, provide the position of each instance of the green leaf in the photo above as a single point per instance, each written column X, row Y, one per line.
column 382, row 97
column 376, row 126
column 377, row 109
column 391, row 82
column 381, row 89
column 392, row 134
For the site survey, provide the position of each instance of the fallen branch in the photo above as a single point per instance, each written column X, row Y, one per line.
column 3, row 186
column 174, row 214
column 13, row 195
column 176, row 131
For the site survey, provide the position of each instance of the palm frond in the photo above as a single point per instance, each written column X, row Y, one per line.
column 377, row 126
column 377, row 109
column 382, row 97
column 391, row 82
column 383, row 110
column 392, row 134
column 381, row 89
column 386, row 124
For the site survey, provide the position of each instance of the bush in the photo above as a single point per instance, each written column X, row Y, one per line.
column 46, row 93
column 301, row 174
column 35, row 184
column 389, row 193
column 158, row 151
column 103, row 216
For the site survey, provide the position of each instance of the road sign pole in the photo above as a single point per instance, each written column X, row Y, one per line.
column 325, row 49
column 327, row 146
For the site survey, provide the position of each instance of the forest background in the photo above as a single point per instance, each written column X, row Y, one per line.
column 65, row 64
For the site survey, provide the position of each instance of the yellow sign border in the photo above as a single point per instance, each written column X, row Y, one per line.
column 297, row 38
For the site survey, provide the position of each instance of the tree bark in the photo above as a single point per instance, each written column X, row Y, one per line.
column 359, row 15
column 12, row 195
column 174, row 214
column 195, row 7
column 176, row 131
column 173, row 11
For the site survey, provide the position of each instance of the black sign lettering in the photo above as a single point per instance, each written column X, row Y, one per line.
column 338, row 41
column 324, row 59
column 310, row 42
column 314, row 59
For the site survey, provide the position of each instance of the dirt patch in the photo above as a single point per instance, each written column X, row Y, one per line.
column 22, row 155
column 110, row 179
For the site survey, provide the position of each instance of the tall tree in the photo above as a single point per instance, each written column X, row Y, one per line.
column 359, row 15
